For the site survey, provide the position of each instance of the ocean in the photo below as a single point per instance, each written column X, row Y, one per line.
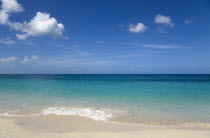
column 147, row 100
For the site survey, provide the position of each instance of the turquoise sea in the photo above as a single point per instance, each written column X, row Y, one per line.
column 150, row 100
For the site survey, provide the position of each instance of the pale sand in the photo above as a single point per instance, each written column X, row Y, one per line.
column 79, row 127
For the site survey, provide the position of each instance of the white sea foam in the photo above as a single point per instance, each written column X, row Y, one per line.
column 9, row 115
column 101, row 114
column 85, row 112
column 4, row 114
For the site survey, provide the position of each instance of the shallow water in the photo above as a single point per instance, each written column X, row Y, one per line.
column 160, row 100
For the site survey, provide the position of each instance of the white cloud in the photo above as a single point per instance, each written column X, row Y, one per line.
column 161, row 19
column 8, row 59
column 7, row 41
column 138, row 28
column 164, row 46
column 7, row 8
column 27, row 59
column 39, row 25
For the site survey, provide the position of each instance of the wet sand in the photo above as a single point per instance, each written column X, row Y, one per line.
column 81, row 127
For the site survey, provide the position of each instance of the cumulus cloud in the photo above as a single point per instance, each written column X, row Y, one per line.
column 8, row 59
column 138, row 28
column 7, row 41
column 27, row 59
column 7, row 8
column 161, row 19
column 41, row 24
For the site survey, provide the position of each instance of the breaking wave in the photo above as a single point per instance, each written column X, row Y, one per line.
column 102, row 115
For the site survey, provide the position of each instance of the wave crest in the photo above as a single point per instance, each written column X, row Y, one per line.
column 84, row 112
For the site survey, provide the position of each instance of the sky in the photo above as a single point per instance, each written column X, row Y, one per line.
column 104, row 37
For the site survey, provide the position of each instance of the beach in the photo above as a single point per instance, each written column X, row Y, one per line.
column 104, row 69
column 86, row 106
column 81, row 127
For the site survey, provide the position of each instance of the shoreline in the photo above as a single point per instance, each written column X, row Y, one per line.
column 53, row 127
column 200, row 126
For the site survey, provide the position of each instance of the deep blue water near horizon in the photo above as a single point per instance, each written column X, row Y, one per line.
column 143, row 99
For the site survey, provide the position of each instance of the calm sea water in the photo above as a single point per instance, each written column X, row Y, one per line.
column 162, row 100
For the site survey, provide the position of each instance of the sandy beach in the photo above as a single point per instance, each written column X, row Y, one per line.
column 81, row 127
column 104, row 69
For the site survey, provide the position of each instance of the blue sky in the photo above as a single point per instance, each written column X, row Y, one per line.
column 105, row 36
